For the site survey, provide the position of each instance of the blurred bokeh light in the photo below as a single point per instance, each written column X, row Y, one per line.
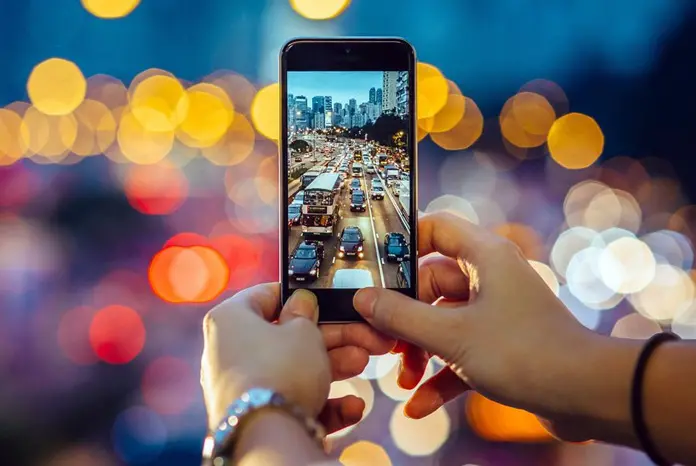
column 138, row 188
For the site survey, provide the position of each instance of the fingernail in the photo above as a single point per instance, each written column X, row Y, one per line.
column 303, row 303
column 364, row 302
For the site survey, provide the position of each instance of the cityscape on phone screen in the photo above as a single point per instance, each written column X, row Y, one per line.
column 349, row 189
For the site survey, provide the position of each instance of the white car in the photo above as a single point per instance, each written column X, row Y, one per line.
column 352, row 279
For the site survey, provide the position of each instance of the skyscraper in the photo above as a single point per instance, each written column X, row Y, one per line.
column 318, row 122
column 402, row 93
column 318, row 104
column 351, row 106
column 378, row 96
column 301, row 117
column 337, row 114
column 328, row 111
column 291, row 112
column 389, row 91
column 373, row 95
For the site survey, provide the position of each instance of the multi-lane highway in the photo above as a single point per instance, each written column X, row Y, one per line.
column 380, row 218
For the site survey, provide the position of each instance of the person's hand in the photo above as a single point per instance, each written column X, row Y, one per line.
column 495, row 322
column 243, row 349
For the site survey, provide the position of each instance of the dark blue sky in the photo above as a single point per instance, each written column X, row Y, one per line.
column 340, row 85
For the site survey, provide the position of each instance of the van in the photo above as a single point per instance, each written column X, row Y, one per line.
column 352, row 279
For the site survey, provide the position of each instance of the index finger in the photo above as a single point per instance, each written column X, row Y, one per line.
column 262, row 300
column 452, row 236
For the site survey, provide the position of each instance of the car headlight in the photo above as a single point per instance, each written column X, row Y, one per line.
column 342, row 248
column 290, row 272
column 313, row 272
column 360, row 248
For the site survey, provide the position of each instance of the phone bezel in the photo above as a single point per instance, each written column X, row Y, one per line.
column 366, row 54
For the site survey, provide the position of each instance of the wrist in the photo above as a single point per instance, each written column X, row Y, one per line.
column 260, row 442
column 599, row 387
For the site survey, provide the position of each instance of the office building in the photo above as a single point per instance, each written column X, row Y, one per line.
column 389, row 91
column 301, row 113
column 402, row 93
column 318, row 104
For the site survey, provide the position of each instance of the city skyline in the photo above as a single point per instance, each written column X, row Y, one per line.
column 340, row 85
column 319, row 100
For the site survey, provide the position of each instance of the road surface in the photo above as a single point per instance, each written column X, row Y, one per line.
column 380, row 218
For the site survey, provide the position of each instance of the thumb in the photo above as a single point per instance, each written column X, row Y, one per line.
column 302, row 303
column 434, row 329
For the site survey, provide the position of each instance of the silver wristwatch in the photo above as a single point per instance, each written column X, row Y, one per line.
column 220, row 443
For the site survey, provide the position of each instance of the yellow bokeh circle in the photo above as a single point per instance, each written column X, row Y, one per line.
column 11, row 148
column 265, row 111
column 431, row 90
column 364, row 453
column 141, row 146
column 160, row 103
column 575, row 141
column 210, row 113
column 56, row 86
column 463, row 134
column 96, row 128
column 47, row 138
column 319, row 9
column 235, row 145
column 526, row 119
column 110, row 9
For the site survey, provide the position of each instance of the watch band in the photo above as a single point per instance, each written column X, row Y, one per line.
column 220, row 443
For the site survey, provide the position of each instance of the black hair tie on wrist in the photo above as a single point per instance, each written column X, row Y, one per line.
column 637, row 413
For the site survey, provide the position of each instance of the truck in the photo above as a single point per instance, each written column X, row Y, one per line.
column 391, row 174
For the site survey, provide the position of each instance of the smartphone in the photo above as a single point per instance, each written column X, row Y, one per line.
column 348, row 170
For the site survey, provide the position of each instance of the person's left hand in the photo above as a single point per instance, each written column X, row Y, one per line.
column 244, row 349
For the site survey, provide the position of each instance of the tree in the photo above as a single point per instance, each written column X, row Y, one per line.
column 387, row 130
column 301, row 146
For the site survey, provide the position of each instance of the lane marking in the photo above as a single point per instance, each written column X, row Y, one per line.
column 374, row 235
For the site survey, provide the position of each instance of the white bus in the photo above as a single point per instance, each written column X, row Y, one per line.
column 320, row 205
column 357, row 170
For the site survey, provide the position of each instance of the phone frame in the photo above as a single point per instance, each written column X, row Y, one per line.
column 330, row 54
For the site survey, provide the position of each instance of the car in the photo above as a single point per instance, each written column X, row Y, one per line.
column 395, row 247
column 395, row 189
column 305, row 261
column 377, row 190
column 298, row 158
column 403, row 275
column 294, row 213
column 350, row 242
column 355, row 184
column 370, row 169
column 352, row 279
column 357, row 201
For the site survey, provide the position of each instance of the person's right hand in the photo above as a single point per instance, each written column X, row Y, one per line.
column 510, row 338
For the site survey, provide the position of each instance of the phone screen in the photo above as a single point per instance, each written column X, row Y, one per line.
column 349, row 164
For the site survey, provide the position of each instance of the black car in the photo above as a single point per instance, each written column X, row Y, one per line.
column 403, row 275
column 357, row 201
column 396, row 247
column 305, row 260
column 294, row 213
column 350, row 243
column 355, row 184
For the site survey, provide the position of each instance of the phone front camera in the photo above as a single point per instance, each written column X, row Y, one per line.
column 347, row 49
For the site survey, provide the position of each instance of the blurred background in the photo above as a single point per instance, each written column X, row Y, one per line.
column 138, row 187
